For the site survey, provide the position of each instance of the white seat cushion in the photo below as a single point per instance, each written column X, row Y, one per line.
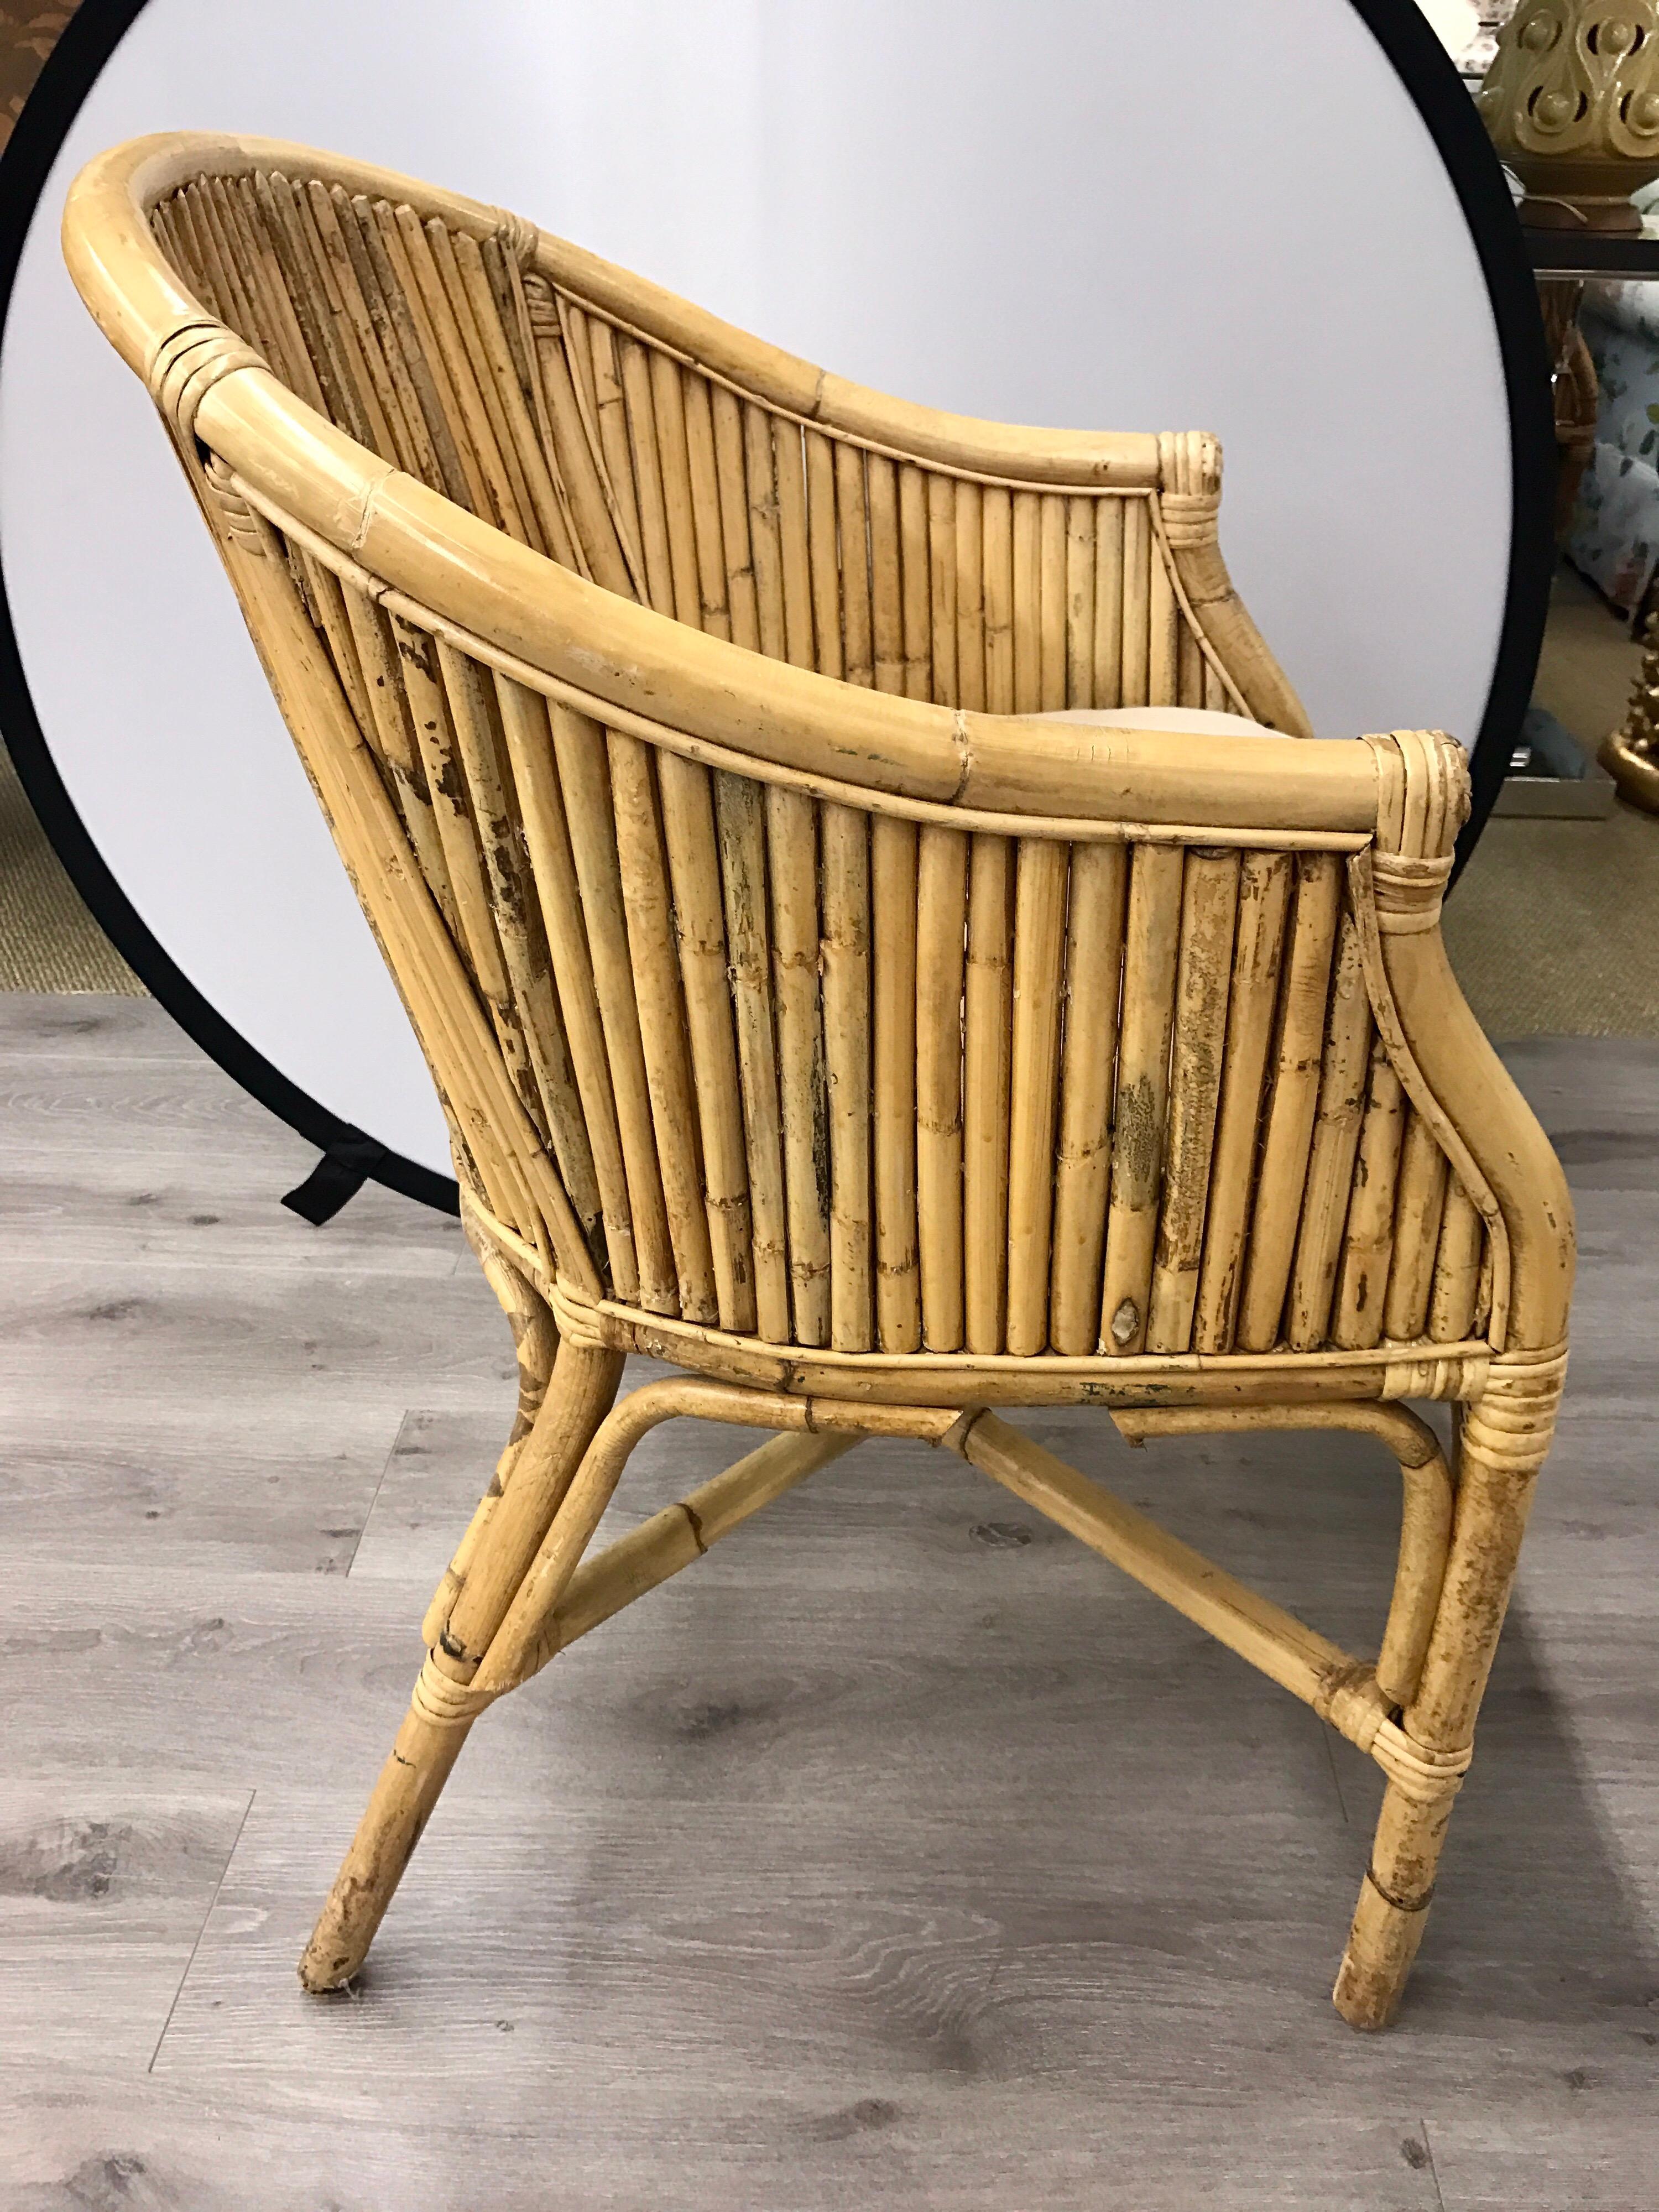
column 1202, row 721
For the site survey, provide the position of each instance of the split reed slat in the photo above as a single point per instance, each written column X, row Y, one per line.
column 540, row 794
column 744, row 610
column 714, row 609
column 1292, row 1100
column 942, row 587
column 1027, row 604
column 794, row 558
column 583, row 783
column 1110, row 602
column 377, row 657
column 739, row 809
column 1055, row 668
column 1080, row 600
column 1162, row 643
column 1264, row 889
column 845, row 836
column 988, row 1042
column 764, row 534
column 1040, row 884
column 1336, row 1146
column 473, row 712
column 611, row 456
column 893, row 896
column 1151, row 943
column 694, row 869
column 643, row 867
column 674, row 461
column 410, row 350
column 997, row 586
column 1083, row 1160
column 1418, row 1205
column 824, row 554
column 852, row 528
column 970, row 598
column 792, row 870
column 1457, row 1263
column 1209, row 911
column 941, row 929
column 1368, row 1241
column 916, row 621
column 647, row 472
column 886, row 582
column 1135, row 646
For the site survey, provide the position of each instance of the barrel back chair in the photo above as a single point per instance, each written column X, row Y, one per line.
column 883, row 935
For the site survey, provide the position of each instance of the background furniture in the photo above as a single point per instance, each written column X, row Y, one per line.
column 805, row 1009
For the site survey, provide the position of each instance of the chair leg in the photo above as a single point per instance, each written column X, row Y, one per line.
column 1502, row 1444
column 441, row 1710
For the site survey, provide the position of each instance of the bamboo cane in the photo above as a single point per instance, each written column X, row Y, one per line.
column 893, row 891
column 1417, row 1208
column 553, row 871
column 1264, row 887
column 793, row 557
column 1456, row 1268
column 886, row 581
column 845, row 963
column 1026, row 604
column 1368, row 1243
column 739, row 807
column 637, row 384
column 997, row 576
column 970, row 597
column 987, row 1065
column 823, row 553
column 662, row 1017
column 1109, row 601
column 1039, row 953
column 1334, row 1148
column 716, row 610
column 674, row 457
column 584, row 786
column 688, row 820
column 727, row 424
column 1094, row 968
column 942, row 894
column 1152, row 942
column 917, row 617
column 764, row 534
column 1054, row 692
column 942, row 587
column 1203, row 990
column 791, row 865
column 852, row 528
column 1292, row 1101
column 1135, row 661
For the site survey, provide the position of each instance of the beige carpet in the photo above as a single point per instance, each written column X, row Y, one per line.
column 48, row 941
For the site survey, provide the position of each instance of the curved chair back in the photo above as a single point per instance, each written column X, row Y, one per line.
column 836, row 1004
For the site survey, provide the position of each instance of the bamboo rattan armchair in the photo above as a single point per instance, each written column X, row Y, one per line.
column 807, row 1013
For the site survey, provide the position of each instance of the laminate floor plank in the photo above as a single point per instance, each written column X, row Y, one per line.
column 898, row 1854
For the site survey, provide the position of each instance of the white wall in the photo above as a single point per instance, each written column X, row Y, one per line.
column 1223, row 213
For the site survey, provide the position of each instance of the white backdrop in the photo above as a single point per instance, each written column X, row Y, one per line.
column 1215, row 212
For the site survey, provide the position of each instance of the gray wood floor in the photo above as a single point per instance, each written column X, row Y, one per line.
column 897, row 1854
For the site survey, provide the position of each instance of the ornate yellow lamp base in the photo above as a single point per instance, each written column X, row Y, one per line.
column 1631, row 754
column 1572, row 101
